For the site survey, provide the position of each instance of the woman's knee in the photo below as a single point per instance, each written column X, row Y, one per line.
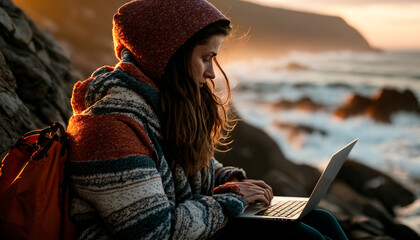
column 324, row 215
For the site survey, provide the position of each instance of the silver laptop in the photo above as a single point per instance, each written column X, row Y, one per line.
column 294, row 208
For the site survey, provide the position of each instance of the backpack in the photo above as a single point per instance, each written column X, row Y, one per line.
column 33, row 188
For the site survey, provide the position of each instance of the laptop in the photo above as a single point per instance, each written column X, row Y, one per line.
column 294, row 208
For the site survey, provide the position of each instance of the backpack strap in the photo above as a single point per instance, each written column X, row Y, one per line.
column 47, row 136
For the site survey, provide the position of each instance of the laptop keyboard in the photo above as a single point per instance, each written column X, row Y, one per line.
column 283, row 209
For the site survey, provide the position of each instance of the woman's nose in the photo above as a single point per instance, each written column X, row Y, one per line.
column 209, row 73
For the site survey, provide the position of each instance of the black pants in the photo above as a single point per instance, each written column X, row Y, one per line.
column 318, row 224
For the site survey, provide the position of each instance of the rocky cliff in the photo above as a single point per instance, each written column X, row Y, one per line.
column 35, row 77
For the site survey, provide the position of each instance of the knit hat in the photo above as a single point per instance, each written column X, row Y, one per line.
column 153, row 30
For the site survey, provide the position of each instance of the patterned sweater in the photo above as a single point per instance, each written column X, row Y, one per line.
column 123, row 186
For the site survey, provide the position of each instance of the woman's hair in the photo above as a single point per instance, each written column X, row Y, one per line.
column 195, row 121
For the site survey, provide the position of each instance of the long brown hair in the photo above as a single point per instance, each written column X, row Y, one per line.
column 195, row 121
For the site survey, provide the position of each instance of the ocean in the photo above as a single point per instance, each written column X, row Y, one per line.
column 328, row 79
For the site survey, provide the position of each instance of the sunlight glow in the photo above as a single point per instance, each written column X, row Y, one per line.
column 385, row 24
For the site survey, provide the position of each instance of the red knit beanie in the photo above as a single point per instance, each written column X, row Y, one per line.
column 154, row 29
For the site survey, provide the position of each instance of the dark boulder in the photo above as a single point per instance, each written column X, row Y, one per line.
column 363, row 217
column 296, row 130
column 375, row 184
column 380, row 107
column 303, row 104
column 354, row 105
column 389, row 101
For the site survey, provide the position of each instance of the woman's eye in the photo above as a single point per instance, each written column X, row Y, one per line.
column 207, row 59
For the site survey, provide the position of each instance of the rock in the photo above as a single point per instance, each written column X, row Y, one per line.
column 43, row 56
column 296, row 130
column 375, row 184
column 23, row 32
column 252, row 150
column 391, row 226
column 354, row 105
column 28, row 69
column 6, row 75
column 6, row 21
column 10, row 7
column 389, row 101
column 381, row 106
column 368, row 225
column 15, row 115
column 303, row 85
column 340, row 85
column 34, row 88
column 292, row 66
column 363, row 217
column 304, row 104
column 283, row 184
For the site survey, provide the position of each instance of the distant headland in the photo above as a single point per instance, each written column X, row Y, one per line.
column 268, row 32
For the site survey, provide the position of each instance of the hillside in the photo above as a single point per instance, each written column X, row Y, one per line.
column 84, row 28
column 274, row 31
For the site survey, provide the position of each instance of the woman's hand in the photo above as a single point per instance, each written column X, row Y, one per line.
column 255, row 190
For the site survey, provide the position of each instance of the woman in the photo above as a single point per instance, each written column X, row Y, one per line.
column 143, row 133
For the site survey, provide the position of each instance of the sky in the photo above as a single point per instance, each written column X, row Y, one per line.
column 386, row 24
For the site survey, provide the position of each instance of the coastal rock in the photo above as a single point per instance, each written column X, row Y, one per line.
column 354, row 105
column 389, row 101
column 295, row 131
column 363, row 217
column 375, row 184
column 34, row 85
column 381, row 106
column 299, row 128
column 293, row 66
column 303, row 104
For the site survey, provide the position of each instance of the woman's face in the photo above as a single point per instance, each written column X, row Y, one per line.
column 201, row 63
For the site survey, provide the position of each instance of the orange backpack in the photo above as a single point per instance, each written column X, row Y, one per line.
column 33, row 187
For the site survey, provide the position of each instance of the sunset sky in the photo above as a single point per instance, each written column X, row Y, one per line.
column 386, row 24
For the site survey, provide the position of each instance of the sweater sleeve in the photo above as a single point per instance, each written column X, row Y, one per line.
column 226, row 174
column 117, row 184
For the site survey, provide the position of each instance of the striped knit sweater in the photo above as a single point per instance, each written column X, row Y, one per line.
column 124, row 187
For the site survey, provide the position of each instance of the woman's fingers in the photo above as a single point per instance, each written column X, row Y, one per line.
column 263, row 185
column 259, row 197
column 253, row 192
